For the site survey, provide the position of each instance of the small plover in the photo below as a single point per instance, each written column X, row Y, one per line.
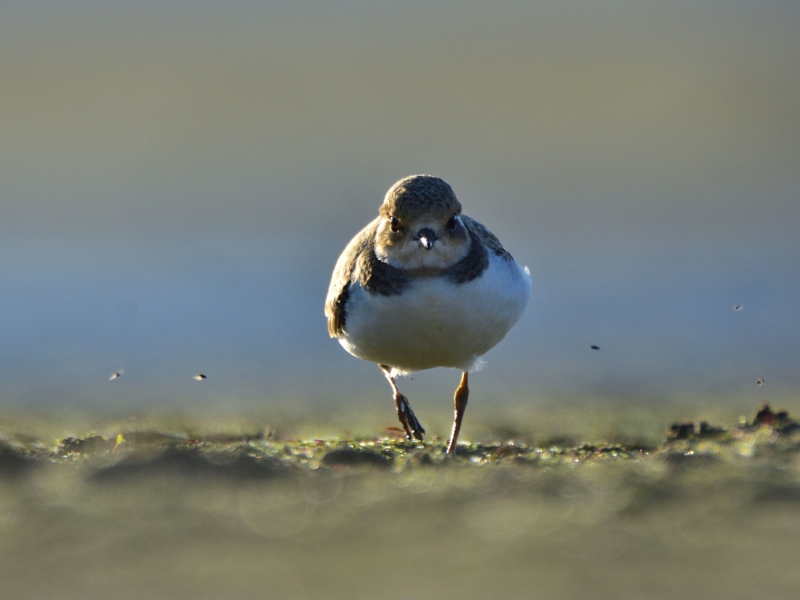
column 424, row 286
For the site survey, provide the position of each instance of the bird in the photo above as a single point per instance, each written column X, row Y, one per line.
column 424, row 286
column 594, row 347
column 116, row 375
column 737, row 308
column 760, row 381
column 199, row 377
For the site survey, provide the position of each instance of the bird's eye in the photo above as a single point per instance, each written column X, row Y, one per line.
column 394, row 224
column 452, row 223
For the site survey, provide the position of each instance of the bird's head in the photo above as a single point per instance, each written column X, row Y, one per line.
column 421, row 226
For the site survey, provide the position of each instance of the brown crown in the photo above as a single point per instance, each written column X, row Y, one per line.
column 420, row 196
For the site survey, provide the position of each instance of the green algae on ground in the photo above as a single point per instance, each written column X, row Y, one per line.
column 125, row 449
column 131, row 512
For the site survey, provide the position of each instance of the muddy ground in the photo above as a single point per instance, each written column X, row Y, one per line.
column 158, row 509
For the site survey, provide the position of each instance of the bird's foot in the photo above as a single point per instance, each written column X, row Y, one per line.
column 460, row 400
column 412, row 427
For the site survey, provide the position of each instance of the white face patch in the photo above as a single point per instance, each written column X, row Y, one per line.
column 409, row 254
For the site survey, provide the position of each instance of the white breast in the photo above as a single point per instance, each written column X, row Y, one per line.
column 436, row 322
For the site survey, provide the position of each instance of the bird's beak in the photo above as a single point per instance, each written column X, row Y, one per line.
column 426, row 238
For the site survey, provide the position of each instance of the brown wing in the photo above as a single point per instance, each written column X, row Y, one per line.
column 487, row 237
column 339, row 289
column 359, row 263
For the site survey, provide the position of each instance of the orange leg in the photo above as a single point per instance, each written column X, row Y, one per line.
column 411, row 425
column 460, row 401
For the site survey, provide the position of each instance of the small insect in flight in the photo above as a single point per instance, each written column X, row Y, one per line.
column 737, row 308
column 199, row 377
column 116, row 375
column 594, row 347
column 760, row 381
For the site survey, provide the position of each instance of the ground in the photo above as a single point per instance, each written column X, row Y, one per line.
column 158, row 509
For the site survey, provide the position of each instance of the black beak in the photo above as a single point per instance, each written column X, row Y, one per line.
column 426, row 238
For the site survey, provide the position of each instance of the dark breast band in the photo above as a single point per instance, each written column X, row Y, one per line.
column 378, row 277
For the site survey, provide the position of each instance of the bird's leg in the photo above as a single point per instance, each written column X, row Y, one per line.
column 407, row 418
column 460, row 401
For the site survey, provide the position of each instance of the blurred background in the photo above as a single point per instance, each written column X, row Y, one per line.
column 177, row 181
